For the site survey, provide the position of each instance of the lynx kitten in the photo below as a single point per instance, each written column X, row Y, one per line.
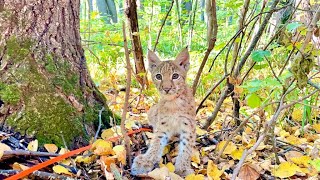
column 173, row 115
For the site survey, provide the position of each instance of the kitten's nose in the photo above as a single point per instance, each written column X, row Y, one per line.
column 167, row 90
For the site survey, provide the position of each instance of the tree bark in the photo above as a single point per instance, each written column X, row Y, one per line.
column 44, row 82
column 131, row 13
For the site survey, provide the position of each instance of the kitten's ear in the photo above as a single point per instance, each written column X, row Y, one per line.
column 182, row 60
column 153, row 60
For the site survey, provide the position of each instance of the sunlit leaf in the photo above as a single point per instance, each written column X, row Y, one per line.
column 237, row 154
column 196, row 157
column 19, row 167
column 52, row 148
column 212, row 171
column 316, row 163
column 253, row 100
column 228, row 150
column 286, row 169
column 33, row 145
column 120, row 153
column 61, row 170
column 102, row 147
column 195, row 177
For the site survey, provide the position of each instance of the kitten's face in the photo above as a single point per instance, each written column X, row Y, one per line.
column 169, row 76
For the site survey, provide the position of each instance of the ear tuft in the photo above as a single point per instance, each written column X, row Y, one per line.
column 182, row 59
column 153, row 60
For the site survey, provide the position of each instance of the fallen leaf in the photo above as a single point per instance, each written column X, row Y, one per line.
column 4, row 147
column 316, row 163
column 196, row 157
column 237, row 154
column 248, row 173
column 102, row 147
column 166, row 150
column 33, row 145
column 316, row 127
column 108, row 161
column 292, row 154
column 195, row 177
column 19, row 167
column 85, row 159
column 213, row 172
column 51, row 148
column 228, row 150
column 302, row 160
column 120, row 153
column 286, row 169
column 61, row 170
column 163, row 174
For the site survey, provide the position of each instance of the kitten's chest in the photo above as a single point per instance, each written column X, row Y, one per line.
column 177, row 107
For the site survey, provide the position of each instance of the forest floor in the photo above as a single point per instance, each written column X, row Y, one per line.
column 293, row 153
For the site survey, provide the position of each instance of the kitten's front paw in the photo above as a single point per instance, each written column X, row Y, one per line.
column 141, row 165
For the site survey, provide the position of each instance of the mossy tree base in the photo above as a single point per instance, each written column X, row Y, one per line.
column 44, row 83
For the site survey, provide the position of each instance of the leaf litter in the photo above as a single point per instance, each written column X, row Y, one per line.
column 297, row 153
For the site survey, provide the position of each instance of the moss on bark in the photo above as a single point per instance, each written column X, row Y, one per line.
column 40, row 87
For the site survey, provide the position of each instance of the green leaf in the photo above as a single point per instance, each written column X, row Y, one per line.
column 316, row 163
column 293, row 26
column 259, row 55
column 253, row 100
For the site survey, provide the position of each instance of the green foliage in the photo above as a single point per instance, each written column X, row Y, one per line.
column 259, row 55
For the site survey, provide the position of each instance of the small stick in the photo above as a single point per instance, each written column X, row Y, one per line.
column 164, row 21
column 100, row 123
column 28, row 153
column 125, row 106
column 38, row 174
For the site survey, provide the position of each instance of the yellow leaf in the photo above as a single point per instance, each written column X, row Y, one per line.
column 316, row 127
column 61, row 170
column 293, row 140
column 120, row 153
column 286, row 169
column 284, row 133
column 51, row 148
column 297, row 114
column 63, row 151
column 33, row 145
column 196, row 157
column 237, row 154
column 170, row 167
column 85, row 159
column 230, row 147
column 163, row 174
column 107, row 133
column 19, row 167
column 195, row 177
column 200, row 132
column 102, row 147
column 1, row 153
column 166, row 150
column 302, row 160
column 213, row 172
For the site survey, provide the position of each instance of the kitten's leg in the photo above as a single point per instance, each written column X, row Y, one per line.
column 186, row 145
column 144, row 163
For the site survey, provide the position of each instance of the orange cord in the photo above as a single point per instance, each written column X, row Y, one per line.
column 64, row 156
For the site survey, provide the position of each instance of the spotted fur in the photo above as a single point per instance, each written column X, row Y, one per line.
column 173, row 115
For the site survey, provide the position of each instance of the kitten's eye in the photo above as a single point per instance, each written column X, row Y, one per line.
column 159, row 77
column 175, row 76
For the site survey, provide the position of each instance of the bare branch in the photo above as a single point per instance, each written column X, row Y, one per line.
column 211, row 38
column 125, row 105
column 164, row 21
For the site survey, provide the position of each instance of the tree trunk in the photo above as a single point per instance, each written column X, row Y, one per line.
column 44, row 82
column 131, row 13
